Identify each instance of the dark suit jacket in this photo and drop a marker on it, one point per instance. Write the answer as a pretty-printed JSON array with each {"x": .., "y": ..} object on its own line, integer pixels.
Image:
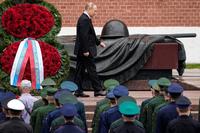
[{"x": 86, "y": 39}]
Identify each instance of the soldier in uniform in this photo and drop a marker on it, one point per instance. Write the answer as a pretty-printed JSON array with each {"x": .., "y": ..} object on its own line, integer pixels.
[
  {"x": 46, "y": 123},
  {"x": 184, "y": 123},
  {"x": 168, "y": 112},
  {"x": 163, "y": 84},
  {"x": 40, "y": 113},
  {"x": 104, "y": 108},
  {"x": 112, "y": 114},
  {"x": 129, "y": 111},
  {"x": 69, "y": 111},
  {"x": 104, "y": 104},
  {"x": 109, "y": 85},
  {"x": 143, "y": 110},
  {"x": 155, "y": 113},
  {"x": 63, "y": 98},
  {"x": 72, "y": 87},
  {"x": 120, "y": 121},
  {"x": 46, "y": 83},
  {"x": 15, "y": 124}
]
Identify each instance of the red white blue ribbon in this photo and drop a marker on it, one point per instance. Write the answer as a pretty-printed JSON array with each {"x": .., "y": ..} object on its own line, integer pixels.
[{"x": 28, "y": 50}]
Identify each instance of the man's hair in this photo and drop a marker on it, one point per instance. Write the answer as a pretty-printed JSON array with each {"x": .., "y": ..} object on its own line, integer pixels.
[
  {"x": 89, "y": 5},
  {"x": 183, "y": 110},
  {"x": 25, "y": 84},
  {"x": 175, "y": 96},
  {"x": 69, "y": 118},
  {"x": 15, "y": 112}
]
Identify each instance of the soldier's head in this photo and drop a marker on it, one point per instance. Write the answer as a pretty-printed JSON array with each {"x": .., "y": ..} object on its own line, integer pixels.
[
  {"x": 110, "y": 84},
  {"x": 69, "y": 86},
  {"x": 154, "y": 87},
  {"x": 48, "y": 82},
  {"x": 50, "y": 95},
  {"x": 183, "y": 105},
  {"x": 91, "y": 9},
  {"x": 15, "y": 107},
  {"x": 163, "y": 84},
  {"x": 68, "y": 110},
  {"x": 129, "y": 110},
  {"x": 111, "y": 97},
  {"x": 174, "y": 91},
  {"x": 120, "y": 91}
]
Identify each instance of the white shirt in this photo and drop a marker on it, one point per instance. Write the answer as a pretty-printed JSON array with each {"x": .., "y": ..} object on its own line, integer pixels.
[
  {"x": 86, "y": 13},
  {"x": 28, "y": 102}
]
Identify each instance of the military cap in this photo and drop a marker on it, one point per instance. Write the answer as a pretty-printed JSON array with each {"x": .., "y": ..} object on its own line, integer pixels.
[
  {"x": 110, "y": 95},
  {"x": 183, "y": 102},
  {"x": 48, "y": 82},
  {"x": 67, "y": 97},
  {"x": 16, "y": 104},
  {"x": 69, "y": 85},
  {"x": 164, "y": 82},
  {"x": 175, "y": 88},
  {"x": 25, "y": 84},
  {"x": 125, "y": 99},
  {"x": 110, "y": 84},
  {"x": 153, "y": 84},
  {"x": 120, "y": 90},
  {"x": 129, "y": 108},
  {"x": 59, "y": 93},
  {"x": 51, "y": 91},
  {"x": 68, "y": 110}
]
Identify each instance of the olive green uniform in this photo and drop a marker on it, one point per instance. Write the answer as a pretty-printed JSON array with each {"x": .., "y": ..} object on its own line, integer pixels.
[{"x": 38, "y": 115}]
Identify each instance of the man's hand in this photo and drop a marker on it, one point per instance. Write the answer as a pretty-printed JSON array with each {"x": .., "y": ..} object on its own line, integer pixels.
[
  {"x": 86, "y": 54},
  {"x": 102, "y": 44}
]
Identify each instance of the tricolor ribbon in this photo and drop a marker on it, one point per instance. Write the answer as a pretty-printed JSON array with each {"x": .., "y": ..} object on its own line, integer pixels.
[{"x": 28, "y": 50}]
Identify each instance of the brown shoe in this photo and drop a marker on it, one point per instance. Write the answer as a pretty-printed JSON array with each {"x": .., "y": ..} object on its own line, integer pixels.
[
  {"x": 81, "y": 95},
  {"x": 99, "y": 93}
]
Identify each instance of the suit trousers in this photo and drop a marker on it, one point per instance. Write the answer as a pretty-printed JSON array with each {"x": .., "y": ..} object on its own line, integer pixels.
[{"x": 86, "y": 63}]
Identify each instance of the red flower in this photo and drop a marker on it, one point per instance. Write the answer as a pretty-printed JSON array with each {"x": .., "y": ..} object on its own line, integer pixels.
[
  {"x": 50, "y": 55},
  {"x": 27, "y": 20}
]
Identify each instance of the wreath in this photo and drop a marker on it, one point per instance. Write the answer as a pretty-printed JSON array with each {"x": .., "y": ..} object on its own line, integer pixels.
[
  {"x": 38, "y": 19},
  {"x": 27, "y": 20},
  {"x": 6, "y": 38}
]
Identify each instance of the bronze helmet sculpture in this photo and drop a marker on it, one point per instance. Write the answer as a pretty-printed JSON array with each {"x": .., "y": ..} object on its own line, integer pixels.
[{"x": 114, "y": 29}]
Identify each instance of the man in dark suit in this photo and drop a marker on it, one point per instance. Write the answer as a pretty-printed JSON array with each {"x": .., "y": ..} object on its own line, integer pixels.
[{"x": 85, "y": 49}]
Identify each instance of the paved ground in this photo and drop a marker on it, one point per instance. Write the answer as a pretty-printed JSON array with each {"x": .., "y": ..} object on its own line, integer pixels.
[{"x": 190, "y": 76}]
